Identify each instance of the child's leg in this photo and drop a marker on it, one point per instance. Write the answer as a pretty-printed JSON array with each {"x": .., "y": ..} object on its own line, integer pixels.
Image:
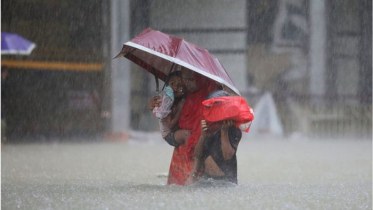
[{"x": 181, "y": 136}]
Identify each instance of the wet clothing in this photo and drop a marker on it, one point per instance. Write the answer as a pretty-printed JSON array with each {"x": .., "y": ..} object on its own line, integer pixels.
[
  {"x": 190, "y": 119},
  {"x": 192, "y": 112},
  {"x": 164, "y": 128},
  {"x": 162, "y": 112},
  {"x": 167, "y": 98},
  {"x": 170, "y": 138},
  {"x": 212, "y": 147}
]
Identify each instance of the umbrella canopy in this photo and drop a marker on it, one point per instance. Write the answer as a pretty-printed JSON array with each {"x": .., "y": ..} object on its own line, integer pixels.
[
  {"x": 15, "y": 44},
  {"x": 156, "y": 52}
]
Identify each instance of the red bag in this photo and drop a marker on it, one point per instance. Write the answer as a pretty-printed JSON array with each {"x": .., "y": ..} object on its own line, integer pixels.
[{"x": 228, "y": 108}]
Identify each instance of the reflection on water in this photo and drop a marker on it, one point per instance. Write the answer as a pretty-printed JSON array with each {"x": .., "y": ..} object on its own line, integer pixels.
[{"x": 272, "y": 174}]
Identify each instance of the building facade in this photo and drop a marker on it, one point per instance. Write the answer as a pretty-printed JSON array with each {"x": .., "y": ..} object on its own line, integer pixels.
[{"x": 315, "y": 57}]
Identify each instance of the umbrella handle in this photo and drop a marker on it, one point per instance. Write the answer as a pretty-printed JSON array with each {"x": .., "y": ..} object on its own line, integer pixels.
[
  {"x": 157, "y": 84},
  {"x": 168, "y": 76}
]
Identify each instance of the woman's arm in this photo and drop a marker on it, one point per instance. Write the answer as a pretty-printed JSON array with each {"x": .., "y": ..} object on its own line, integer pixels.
[{"x": 226, "y": 147}]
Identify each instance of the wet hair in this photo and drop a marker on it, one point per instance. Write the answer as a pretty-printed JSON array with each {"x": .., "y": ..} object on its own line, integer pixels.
[
  {"x": 172, "y": 74},
  {"x": 218, "y": 93}
]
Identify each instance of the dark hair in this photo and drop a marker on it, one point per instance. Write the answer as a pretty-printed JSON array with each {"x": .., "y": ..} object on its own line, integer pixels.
[
  {"x": 175, "y": 73},
  {"x": 218, "y": 93}
]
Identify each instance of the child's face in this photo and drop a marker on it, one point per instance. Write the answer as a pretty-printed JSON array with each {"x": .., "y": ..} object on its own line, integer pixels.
[{"x": 176, "y": 85}]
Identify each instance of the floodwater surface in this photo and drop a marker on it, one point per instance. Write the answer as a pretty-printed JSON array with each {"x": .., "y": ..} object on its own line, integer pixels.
[{"x": 272, "y": 174}]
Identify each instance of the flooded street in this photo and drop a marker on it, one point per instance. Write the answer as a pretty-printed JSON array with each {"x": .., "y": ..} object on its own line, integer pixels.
[
  {"x": 107, "y": 69},
  {"x": 272, "y": 174}
]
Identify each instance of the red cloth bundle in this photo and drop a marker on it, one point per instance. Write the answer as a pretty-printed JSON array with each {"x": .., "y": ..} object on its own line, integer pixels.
[{"x": 228, "y": 108}]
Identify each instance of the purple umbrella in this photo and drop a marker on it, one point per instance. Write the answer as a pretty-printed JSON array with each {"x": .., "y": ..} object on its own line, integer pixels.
[{"x": 14, "y": 44}]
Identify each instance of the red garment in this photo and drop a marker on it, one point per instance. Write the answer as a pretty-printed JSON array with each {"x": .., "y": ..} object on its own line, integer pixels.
[
  {"x": 190, "y": 119},
  {"x": 180, "y": 167}
]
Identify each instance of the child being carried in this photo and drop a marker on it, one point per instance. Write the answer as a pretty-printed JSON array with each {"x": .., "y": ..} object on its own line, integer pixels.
[{"x": 168, "y": 113}]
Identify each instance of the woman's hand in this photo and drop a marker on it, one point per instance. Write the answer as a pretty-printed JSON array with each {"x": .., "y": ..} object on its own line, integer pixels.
[
  {"x": 155, "y": 101},
  {"x": 191, "y": 179},
  {"x": 204, "y": 127},
  {"x": 226, "y": 147},
  {"x": 227, "y": 124}
]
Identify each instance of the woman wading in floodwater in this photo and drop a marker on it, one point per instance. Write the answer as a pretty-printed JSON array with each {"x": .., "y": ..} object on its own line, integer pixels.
[
  {"x": 215, "y": 153},
  {"x": 198, "y": 87}
]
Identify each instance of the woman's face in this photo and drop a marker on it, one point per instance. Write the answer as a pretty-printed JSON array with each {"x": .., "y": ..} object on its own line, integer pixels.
[
  {"x": 176, "y": 85},
  {"x": 189, "y": 81}
]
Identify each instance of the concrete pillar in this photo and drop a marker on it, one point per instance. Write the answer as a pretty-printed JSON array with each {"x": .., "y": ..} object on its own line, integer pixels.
[
  {"x": 317, "y": 52},
  {"x": 118, "y": 83}
]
